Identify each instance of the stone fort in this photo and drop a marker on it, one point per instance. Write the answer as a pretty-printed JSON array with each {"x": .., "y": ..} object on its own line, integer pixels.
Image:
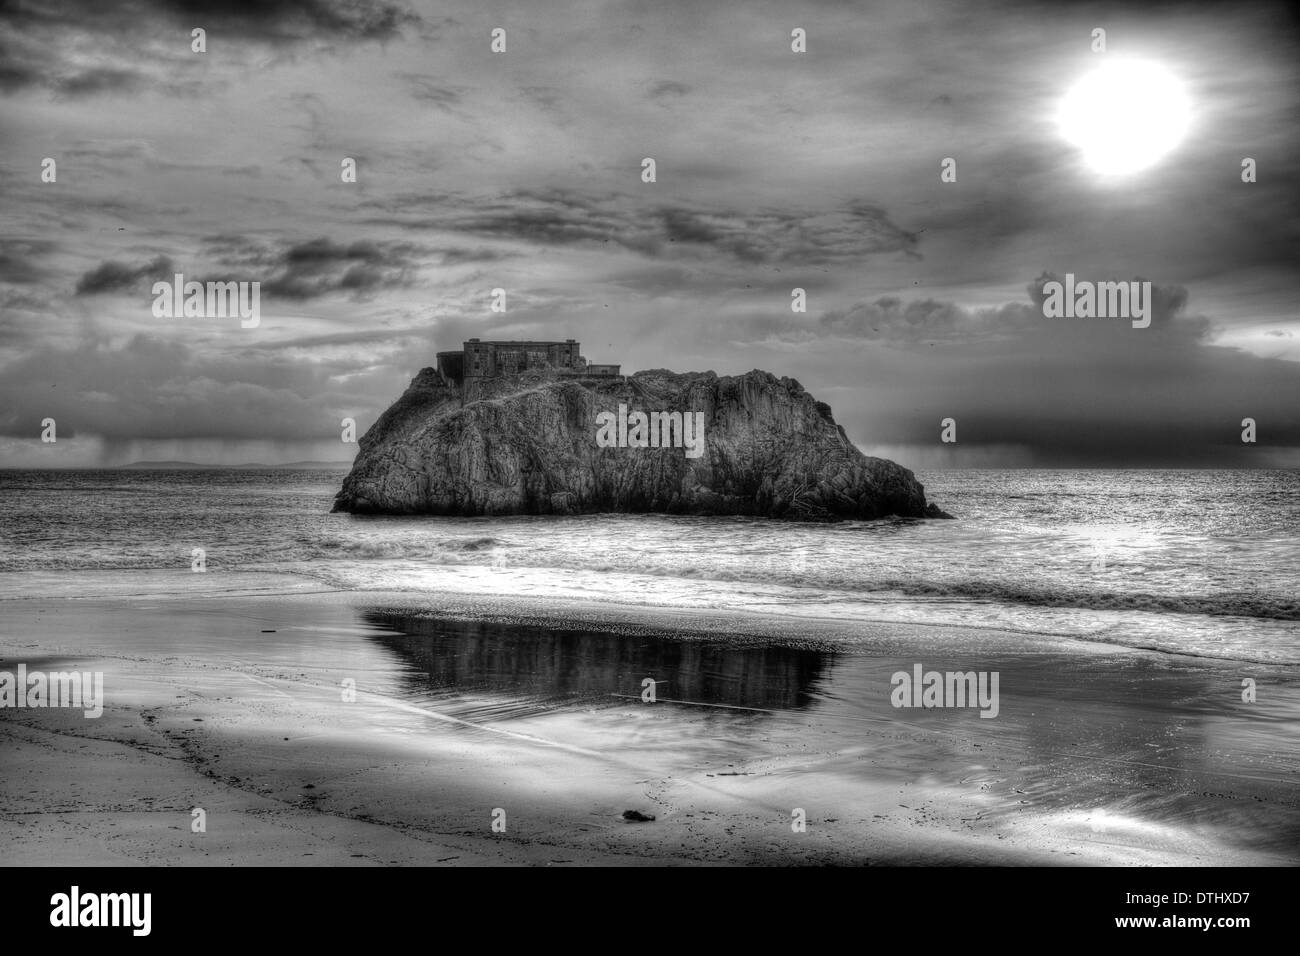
[{"x": 479, "y": 362}]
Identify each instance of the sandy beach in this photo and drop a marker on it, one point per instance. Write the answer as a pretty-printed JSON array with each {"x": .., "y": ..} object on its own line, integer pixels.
[{"x": 226, "y": 693}]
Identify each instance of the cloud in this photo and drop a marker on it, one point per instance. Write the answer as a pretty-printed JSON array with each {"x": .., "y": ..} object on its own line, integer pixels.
[
  {"x": 311, "y": 269},
  {"x": 271, "y": 21},
  {"x": 909, "y": 323},
  {"x": 23, "y": 317},
  {"x": 458, "y": 256},
  {"x": 298, "y": 271},
  {"x": 1068, "y": 392},
  {"x": 100, "y": 80},
  {"x": 22, "y": 261},
  {"x": 152, "y": 388},
  {"x": 428, "y": 89},
  {"x": 116, "y": 276},
  {"x": 295, "y": 21},
  {"x": 144, "y": 44},
  {"x": 363, "y": 337},
  {"x": 546, "y": 98},
  {"x": 562, "y": 217},
  {"x": 668, "y": 89}
]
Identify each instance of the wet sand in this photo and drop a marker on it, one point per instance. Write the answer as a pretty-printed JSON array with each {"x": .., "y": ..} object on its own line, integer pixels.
[{"x": 226, "y": 693}]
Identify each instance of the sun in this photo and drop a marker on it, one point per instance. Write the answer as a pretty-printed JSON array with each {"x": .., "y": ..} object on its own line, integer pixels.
[{"x": 1125, "y": 116}]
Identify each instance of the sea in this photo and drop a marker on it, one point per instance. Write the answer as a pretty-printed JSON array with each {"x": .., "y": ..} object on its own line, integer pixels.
[{"x": 1196, "y": 562}]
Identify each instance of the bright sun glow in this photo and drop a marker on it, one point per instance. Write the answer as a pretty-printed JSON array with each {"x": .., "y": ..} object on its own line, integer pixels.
[{"x": 1125, "y": 116}]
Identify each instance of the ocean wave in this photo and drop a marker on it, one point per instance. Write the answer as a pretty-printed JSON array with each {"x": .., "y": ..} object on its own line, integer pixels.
[
  {"x": 398, "y": 549},
  {"x": 363, "y": 560},
  {"x": 1269, "y": 607},
  {"x": 1252, "y": 604},
  {"x": 1044, "y": 594}
]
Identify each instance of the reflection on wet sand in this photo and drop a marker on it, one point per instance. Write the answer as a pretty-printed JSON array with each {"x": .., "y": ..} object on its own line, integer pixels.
[
  {"x": 1111, "y": 748},
  {"x": 550, "y": 664}
]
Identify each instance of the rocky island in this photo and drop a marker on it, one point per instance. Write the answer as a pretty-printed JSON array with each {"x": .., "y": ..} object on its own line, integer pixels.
[{"x": 533, "y": 428}]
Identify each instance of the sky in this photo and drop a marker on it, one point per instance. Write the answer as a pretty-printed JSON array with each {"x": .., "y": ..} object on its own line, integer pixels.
[{"x": 522, "y": 170}]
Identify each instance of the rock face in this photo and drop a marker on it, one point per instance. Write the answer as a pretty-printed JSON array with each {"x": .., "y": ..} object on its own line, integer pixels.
[{"x": 769, "y": 449}]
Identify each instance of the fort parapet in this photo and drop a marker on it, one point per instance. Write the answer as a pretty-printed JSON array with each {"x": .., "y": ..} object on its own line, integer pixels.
[{"x": 479, "y": 363}]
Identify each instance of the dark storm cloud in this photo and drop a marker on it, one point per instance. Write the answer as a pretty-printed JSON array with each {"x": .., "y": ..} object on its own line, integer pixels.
[
  {"x": 312, "y": 269},
  {"x": 317, "y": 267},
  {"x": 116, "y": 276},
  {"x": 299, "y": 271},
  {"x": 1076, "y": 391},
  {"x": 542, "y": 217},
  {"x": 42, "y": 44}
]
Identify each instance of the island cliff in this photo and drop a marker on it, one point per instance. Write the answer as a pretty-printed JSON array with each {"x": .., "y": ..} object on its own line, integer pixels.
[{"x": 529, "y": 445}]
